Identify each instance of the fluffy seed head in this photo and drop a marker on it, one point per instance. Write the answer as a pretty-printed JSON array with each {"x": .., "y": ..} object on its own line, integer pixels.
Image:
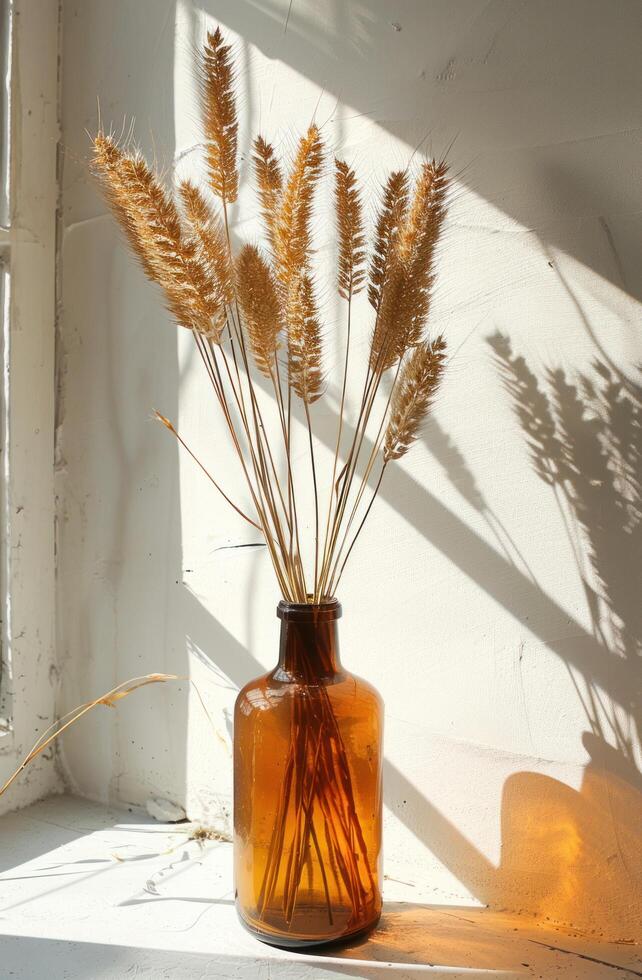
[
  {"x": 405, "y": 298},
  {"x": 208, "y": 234},
  {"x": 304, "y": 341},
  {"x": 392, "y": 213},
  {"x": 270, "y": 185},
  {"x": 412, "y": 397},
  {"x": 292, "y": 227},
  {"x": 152, "y": 225},
  {"x": 350, "y": 231},
  {"x": 259, "y": 302},
  {"x": 219, "y": 116}
]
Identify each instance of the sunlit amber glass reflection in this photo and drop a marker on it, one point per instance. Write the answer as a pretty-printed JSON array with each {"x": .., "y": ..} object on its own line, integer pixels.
[{"x": 307, "y": 790}]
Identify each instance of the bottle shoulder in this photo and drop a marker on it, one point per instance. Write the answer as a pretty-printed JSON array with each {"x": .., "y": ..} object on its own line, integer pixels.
[
  {"x": 269, "y": 690},
  {"x": 367, "y": 690},
  {"x": 253, "y": 695}
]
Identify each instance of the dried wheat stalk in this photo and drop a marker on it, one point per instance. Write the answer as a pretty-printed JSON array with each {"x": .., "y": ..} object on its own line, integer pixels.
[
  {"x": 210, "y": 240},
  {"x": 108, "y": 700},
  {"x": 352, "y": 241},
  {"x": 152, "y": 224},
  {"x": 219, "y": 117},
  {"x": 269, "y": 180},
  {"x": 405, "y": 301},
  {"x": 249, "y": 312},
  {"x": 389, "y": 222},
  {"x": 413, "y": 394},
  {"x": 259, "y": 301}
]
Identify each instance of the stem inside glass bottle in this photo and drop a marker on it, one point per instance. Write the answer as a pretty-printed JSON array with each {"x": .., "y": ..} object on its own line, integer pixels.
[{"x": 316, "y": 808}]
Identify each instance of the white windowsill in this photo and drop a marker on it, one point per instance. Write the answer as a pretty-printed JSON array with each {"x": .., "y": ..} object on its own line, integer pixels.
[{"x": 89, "y": 891}]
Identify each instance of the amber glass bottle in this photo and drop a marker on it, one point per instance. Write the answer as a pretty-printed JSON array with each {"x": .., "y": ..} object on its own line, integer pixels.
[{"x": 307, "y": 790}]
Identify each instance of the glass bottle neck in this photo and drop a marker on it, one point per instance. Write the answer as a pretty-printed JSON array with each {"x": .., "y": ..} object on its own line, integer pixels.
[{"x": 309, "y": 646}]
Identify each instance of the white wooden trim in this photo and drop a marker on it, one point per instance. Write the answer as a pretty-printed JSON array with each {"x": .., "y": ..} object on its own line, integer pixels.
[{"x": 28, "y": 645}]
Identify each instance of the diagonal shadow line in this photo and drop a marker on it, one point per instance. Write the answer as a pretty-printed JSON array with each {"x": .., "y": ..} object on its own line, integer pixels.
[
  {"x": 506, "y": 584},
  {"x": 261, "y": 24},
  {"x": 510, "y": 587},
  {"x": 437, "y": 833},
  {"x": 333, "y": 60},
  {"x": 486, "y": 881},
  {"x": 441, "y": 837}
]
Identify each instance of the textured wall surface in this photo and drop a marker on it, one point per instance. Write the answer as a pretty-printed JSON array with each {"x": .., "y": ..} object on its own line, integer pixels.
[
  {"x": 28, "y": 676},
  {"x": 494, "y": 598}
]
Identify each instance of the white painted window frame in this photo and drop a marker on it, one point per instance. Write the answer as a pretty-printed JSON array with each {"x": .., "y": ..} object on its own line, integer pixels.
[{"x": 28, "y": 254}]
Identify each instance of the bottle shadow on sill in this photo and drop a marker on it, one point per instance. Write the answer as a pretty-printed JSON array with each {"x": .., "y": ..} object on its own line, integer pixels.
[{"x": 480, "y": 942}]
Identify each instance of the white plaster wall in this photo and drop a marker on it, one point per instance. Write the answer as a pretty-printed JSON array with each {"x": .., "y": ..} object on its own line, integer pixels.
[
  {"x": 512, "y": 754},
  {"x": 28, "y": 253}
]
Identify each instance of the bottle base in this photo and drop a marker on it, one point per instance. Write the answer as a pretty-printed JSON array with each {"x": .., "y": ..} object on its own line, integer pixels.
[{"x": 281, "y": 941}]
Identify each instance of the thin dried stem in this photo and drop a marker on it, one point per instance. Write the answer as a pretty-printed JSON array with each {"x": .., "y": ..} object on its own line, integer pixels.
[
  {"x": 374, "y": 455},
  {"x": 350, "y": 279},
  {"x": 238, "y": 310},
  {"x": 316, "y": 498},
  {"x": 410, "y": 398},
  {"x": 109, "y": 700},
  {"x": 168, "y": 425},
  {"x": 337, "y": 578},
  {"x": 256, "y": 490},
  {"x": 262, "y": 443}
]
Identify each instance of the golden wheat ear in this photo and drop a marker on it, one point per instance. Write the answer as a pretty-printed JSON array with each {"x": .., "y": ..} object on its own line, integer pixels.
[
  {"x": 420, "y": 232},
  {"x": 152, "y": 225},
  {"x": 352, "y": 254},
  {"x": 392, "y": 213},
  {"x": 269, "y": 180},
  {"x": 219, "y": 116},
  {"x": 260, "y": 305},
  {"x": 304, "y": 342},
  {"x": 292, "y": 228},
  {"x": 292, "y": 248},
  {"x": 108, "y": 166},
  {"x": 413, "y": 396},
  {"x": 210, "y": 236},
  {"x": 406, "y": 294}
]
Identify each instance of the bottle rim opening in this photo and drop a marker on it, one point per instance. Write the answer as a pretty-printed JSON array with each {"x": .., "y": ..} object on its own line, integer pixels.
[{"x": 309, "y": 612}]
